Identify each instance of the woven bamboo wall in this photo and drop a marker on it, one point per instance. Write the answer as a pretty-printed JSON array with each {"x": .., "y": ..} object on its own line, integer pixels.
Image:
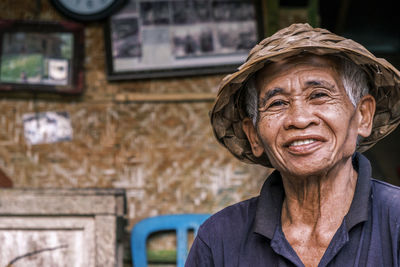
[{"x": 163, "y": 153}]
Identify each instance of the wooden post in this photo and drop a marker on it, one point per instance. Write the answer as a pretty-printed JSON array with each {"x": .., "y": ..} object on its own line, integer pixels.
[
  {"x": 313, "y": 17},
  {"x": 271, "y": 16}
]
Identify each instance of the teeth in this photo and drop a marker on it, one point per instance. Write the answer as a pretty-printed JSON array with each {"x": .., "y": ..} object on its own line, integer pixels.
[{"x": 302, "y": 142}]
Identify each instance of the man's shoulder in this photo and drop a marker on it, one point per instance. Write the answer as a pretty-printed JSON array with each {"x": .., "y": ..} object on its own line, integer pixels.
[
  {"x": 387, "y": 197},
  {"x": 235, "y": 211},
  {"x": 232, "y": 219},
  {"x": 386, "y": 192},
  {"x": 221, "y": 236}
]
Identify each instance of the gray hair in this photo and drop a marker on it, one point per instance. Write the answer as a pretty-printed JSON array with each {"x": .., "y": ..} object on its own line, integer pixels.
[{"x": 354, "y": 80}]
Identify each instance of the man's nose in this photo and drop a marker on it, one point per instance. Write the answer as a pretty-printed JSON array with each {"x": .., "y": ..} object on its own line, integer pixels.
[{"x": 300, "y": 116}]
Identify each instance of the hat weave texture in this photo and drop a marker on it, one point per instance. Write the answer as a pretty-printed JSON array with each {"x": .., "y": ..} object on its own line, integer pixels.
[{"x": 228, "y": 111}]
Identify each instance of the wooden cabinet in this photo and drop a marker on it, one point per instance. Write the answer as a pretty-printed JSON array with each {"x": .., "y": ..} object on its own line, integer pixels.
[{"x": 58, "y": 227}]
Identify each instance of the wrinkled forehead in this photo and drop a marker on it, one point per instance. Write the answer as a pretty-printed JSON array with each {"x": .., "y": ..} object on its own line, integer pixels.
[{"x": 328, "y": 63}]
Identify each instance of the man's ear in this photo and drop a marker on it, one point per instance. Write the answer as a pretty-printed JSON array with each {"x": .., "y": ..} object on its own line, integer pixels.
[
  {"x": 252, "y": 136},
  {"x": 366, "y": 109}
]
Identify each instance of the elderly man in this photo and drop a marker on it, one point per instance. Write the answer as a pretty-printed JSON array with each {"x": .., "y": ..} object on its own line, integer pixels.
[{"x": 303, "y": 103}]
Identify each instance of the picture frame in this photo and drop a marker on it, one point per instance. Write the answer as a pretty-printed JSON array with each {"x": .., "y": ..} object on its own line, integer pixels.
[
  {"x": 173, "y": 38},
  {"x": 41, "y": 56}
]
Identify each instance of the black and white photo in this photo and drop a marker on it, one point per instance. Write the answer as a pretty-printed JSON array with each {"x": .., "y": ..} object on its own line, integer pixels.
[
  {"x": 155, "y": 12},
  {"x": 158, "y": 38},
  {"x": 125, "y": 37}
]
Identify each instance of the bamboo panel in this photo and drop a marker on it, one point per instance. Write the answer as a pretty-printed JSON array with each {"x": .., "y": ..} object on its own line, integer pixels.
[{"x": 163, "y": 153}]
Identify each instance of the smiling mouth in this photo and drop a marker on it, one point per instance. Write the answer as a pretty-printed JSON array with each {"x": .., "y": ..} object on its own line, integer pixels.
[{"x": 302, "y": 142}]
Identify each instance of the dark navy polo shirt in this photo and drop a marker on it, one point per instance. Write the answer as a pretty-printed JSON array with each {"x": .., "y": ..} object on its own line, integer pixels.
[{"x": 250, "y": 234}]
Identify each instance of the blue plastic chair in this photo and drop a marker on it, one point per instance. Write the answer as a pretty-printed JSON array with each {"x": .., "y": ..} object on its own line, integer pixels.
[{"x": 182, "y": 223}]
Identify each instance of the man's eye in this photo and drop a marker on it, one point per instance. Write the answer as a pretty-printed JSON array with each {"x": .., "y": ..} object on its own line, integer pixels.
[
  {"x": 277, "y": 103},
  {"x": 318, "y": 95}
]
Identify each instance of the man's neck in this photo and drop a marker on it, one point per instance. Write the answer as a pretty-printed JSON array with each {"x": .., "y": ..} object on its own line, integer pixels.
[
  {"x": 314, "y": 208},
  {"x": 310, "y": 199}
]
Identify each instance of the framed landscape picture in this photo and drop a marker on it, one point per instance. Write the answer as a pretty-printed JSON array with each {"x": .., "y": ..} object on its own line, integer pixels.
[
  {"x": 169, "y": 38},
  {"x": 41, "y": 57}
]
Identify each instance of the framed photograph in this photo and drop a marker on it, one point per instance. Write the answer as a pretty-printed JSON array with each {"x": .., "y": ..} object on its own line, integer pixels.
[
  {"x": 41, "y": 57},
  {"x": 170, "y": 38}
]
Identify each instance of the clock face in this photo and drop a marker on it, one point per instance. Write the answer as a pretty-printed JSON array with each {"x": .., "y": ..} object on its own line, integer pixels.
[
  {"x": 87, "y": 10},
  {"x": 86, "y": 6}
]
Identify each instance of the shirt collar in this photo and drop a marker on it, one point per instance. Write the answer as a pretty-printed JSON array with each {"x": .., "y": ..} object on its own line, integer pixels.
[
  {"x": 269, "y": 207},
  {"x": 358, "y": 211}
]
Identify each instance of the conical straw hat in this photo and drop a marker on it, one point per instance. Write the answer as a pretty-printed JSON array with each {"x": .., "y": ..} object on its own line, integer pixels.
[{"x": 228, "y": 111}]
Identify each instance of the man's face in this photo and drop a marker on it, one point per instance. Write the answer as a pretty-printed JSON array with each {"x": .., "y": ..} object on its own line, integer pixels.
[{"x": 306, "y": 122}]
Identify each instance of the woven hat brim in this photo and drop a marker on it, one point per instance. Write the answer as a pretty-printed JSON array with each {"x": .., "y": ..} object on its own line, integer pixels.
[{"x": 227, "y": 113}]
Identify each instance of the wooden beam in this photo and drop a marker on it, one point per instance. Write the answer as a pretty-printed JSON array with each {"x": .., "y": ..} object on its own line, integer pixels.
[{"x": 167, "y": 97}]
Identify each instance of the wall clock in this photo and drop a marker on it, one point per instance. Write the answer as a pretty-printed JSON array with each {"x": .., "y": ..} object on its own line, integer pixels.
[{"x": 87, "y": 10}]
